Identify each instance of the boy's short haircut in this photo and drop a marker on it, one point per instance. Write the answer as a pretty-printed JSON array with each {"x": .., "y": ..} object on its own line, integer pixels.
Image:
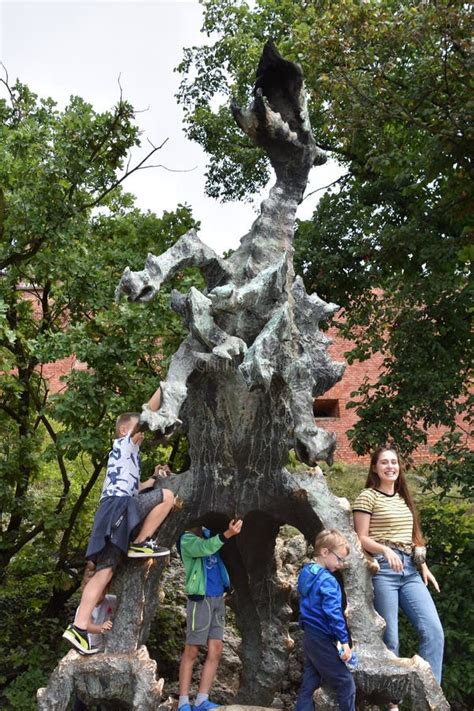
[
  {"x": 124, "y": 419},
  {"x": 330, "y": 538}
]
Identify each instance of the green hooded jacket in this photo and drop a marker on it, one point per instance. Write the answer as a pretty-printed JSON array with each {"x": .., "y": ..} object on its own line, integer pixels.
[{"x": 193, "y": 549}]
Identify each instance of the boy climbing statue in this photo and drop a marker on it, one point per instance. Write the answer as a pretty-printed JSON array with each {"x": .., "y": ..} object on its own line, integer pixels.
[{"x": 128, "y": 515}]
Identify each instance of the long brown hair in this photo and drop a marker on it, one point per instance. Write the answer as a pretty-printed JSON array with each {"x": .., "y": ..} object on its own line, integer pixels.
[{"x": 401, "y": 488}]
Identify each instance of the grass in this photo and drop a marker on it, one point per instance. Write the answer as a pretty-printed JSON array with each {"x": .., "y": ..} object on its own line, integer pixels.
[{"x": 348, "y": 480}]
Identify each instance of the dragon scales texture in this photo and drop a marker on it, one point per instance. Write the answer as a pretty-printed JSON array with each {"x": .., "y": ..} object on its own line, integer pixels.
[{"x": 254, "y": 332}]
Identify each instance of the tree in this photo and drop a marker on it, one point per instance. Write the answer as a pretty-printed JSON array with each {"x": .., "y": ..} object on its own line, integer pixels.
[
  {"x": 390, "y": 96},
  {"x": 67, "y": 228}
]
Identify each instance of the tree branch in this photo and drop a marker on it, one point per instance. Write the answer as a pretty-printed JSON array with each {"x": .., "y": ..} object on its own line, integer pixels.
[
  {"x": 344, "y": 178},
  {"x": 61, "y": 464},
  {"x": 10, "y": 412},
  {"x": 18, "y": 257},
  {"x": 85, "y": 490},
  {"x": 6, "y": 84},
  {"x": 118, "y": 114},
  {"x": 118, "y": 182},
  {"x": 7, "y": 553}
]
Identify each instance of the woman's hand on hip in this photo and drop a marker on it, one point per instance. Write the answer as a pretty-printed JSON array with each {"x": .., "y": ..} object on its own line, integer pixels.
[
  {"x": 393, "y": 560},
  {"x": 428, "y": 577}
]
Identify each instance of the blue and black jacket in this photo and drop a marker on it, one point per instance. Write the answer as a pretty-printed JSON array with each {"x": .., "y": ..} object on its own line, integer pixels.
[{"x": 321, "y": 603}]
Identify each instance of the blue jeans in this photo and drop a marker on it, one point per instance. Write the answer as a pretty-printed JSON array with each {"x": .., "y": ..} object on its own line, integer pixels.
[
  {"x": 407, "y": 590},
  {"x": 323, "y": 664}
]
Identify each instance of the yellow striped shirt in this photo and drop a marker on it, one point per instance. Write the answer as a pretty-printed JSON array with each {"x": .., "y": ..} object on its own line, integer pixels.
[{"x": 390, "y": 518}]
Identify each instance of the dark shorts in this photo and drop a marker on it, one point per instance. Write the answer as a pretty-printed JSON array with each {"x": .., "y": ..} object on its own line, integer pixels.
[
  {"x": 109, "y": 556},
  {"x": 205, "y": 620}
]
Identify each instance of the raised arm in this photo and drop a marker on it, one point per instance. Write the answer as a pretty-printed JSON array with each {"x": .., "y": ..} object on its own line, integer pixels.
[
  {"x": 154, "y": 403},
  {"x": 198, "y": 547}
]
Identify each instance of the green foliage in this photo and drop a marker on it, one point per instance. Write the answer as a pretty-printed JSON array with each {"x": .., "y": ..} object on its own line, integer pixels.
[
  {"x": 390, "y": 96},
  {"x": 21, "y": 693},
  {"x": 67, "y": 232},
  {"x": 449, "y": 527},
  {"x": 345, "y": 480},
  {"x": 454, "y": 460},
  {"x": 30, "y": 642}
]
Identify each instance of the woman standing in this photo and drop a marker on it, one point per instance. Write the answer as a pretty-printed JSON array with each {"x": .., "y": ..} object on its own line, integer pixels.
[{"x": 386, "y": 521}]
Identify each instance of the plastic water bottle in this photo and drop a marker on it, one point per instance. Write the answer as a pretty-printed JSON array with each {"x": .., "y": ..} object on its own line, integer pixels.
[{"x": 350, "y": 663}]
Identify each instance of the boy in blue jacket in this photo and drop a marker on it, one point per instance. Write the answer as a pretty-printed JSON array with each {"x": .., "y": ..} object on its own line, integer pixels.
[
  {"x": 206, "y": 582},
  {"x": 324, "y": 624}
]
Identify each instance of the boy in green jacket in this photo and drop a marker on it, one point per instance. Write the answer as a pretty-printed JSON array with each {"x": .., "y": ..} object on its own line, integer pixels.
[{"x": 206, "y": 582}]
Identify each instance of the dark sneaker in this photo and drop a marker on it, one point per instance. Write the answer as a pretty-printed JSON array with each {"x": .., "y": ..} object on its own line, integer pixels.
[
  {"x": 79, "y": 640},
  {"x": 206, "y": 706},
  {"x": 185, "y": 707},
  {"x": 146, "y": 549}
]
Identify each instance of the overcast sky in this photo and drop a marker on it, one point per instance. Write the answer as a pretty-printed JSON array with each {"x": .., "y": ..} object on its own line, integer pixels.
[{"x": 69, "y": 47}]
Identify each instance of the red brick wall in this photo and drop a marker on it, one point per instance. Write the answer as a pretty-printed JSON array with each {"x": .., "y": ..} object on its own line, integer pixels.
[
  {"x": 352, "y": 378},
  {"x": 52, "y": 372}
]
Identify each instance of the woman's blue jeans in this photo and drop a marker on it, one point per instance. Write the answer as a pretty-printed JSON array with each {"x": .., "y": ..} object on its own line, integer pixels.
[{"x": 407, "y": 590}]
